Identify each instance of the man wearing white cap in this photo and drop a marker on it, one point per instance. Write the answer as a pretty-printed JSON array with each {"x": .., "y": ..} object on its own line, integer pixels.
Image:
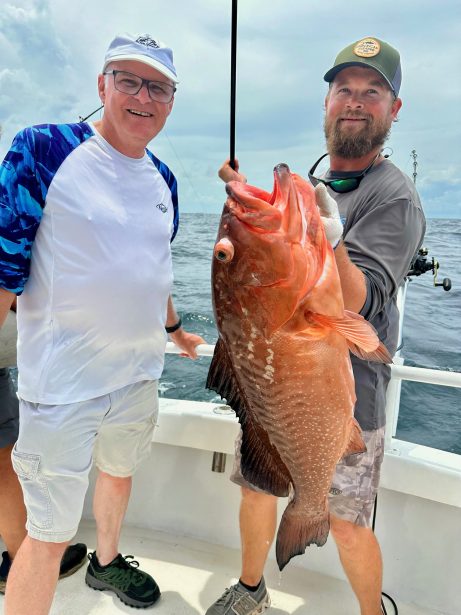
[{"x": 87, "y": 217}]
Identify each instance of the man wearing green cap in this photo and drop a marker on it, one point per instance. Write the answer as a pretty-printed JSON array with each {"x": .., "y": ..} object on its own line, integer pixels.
[{"x": 375, "y": 224}]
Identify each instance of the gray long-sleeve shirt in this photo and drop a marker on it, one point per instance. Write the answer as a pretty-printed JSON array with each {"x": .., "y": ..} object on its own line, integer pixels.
[{"x": 384, "y": 227}]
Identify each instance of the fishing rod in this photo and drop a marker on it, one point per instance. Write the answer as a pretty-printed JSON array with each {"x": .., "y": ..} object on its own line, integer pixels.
[
  {"x": 83, "y": 119},
  {"x": 420, "y": 264},
  {"x": 233, "y": 83}
]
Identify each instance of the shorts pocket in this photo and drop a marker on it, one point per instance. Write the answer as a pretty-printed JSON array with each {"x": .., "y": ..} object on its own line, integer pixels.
[
  {"x": 36, "y": 495},
  {"x": 345, "y": 481}
]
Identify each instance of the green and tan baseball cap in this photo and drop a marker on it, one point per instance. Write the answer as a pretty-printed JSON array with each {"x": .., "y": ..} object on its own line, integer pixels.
[{"x": 372, "y": 53}]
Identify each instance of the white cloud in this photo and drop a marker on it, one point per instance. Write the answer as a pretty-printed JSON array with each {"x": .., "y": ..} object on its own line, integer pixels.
[{"x": 52, "y": 50}]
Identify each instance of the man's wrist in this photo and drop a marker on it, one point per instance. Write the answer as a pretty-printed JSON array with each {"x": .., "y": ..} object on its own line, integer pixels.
[
  {"x": 175, "y": 327},
  {"x": 338, "y": 243}
]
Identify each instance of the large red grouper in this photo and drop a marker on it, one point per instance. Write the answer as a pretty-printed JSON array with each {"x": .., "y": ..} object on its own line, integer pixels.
[{"x": 282, "y": 357}]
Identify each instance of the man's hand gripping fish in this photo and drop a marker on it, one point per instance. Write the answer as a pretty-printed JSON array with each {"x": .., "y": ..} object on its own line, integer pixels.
[{"x": 282, "y": 358}]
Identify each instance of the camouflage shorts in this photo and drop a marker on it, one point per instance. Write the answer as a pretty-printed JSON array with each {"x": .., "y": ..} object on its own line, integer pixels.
[{"x": 355, "y": 483}]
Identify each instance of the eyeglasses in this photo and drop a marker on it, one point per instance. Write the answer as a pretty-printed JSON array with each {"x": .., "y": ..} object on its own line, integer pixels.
[
  {"x": 131, "y": 84},
  {"x": 344, "y": 184}
]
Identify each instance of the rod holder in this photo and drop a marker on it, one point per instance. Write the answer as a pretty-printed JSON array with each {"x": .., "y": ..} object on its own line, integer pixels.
[{"x": 219, "y": 462}]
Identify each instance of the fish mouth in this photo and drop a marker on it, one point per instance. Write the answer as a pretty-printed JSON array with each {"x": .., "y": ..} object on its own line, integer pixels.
[
  {"x": 283, "y": 181},
  {"x": 262, "y": 211},
  {"x": 252, "y": 207},
  {"x": 282, "y": 175},
  {"x": 281, "y": 168}
]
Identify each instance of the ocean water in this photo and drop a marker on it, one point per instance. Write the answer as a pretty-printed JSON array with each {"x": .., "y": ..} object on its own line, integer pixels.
[{"x": 429, "y": 415}]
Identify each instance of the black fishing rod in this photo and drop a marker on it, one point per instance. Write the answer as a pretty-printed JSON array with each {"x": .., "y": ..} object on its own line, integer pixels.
[
  {"x": 83, "y": 119},
  {"x": 419, "y": 264},
  {"x": 233, "y": 83}
]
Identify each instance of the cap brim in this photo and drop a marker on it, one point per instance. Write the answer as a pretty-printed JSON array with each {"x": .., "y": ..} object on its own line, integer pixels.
[
  {"x": 331, "y": 74},
  {"x": 145, "y": 60}
]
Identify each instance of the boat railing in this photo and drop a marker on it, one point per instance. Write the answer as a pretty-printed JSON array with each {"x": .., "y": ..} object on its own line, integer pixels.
[
  {"x": 400, "y": 372},
  {"x": 409, "y": 467}
]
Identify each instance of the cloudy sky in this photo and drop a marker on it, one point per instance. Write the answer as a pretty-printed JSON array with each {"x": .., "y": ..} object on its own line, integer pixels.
[{"x": 51, "y": 52}]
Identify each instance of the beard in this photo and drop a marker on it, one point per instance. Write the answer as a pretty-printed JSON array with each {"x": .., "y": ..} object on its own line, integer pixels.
[{"x": 373, "y": 134}]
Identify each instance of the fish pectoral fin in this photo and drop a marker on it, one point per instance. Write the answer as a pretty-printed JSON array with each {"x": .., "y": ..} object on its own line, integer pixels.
[
  {"x": 360, "y": 335},
  {"x": 261, "y": 464},
  {"x": 380, "y": 355},
  {"x": 356, "y": 444}
]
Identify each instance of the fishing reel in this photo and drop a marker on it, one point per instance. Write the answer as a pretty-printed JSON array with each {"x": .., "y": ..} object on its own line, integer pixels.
[{"x": 421, "y": 265}]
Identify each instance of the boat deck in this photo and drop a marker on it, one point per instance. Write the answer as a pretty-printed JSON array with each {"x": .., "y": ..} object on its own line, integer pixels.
[{"x": 192, "y": 574}]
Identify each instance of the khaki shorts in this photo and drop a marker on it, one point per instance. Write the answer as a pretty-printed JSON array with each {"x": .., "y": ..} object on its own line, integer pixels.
[
  {"x": 57, "y": 445},
  {"x": 355, "y": 483}
]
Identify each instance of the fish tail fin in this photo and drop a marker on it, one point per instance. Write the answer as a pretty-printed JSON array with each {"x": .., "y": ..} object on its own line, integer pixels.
[{"x": 297, "y": 531}]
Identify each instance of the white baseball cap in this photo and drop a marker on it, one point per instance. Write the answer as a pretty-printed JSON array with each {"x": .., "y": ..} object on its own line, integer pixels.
[{"x": 142, "y": 48}]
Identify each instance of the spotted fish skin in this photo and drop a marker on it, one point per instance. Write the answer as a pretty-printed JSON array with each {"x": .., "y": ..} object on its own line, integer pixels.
[{"x": 282, "y": 357}]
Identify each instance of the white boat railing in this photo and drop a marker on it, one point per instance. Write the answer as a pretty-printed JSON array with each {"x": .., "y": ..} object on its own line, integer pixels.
[
  {"x": 400, "y": 372},
  {"x": 409, "y": 468}
]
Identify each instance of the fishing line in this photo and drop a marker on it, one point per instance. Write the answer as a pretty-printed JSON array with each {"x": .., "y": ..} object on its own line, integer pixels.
[
  {"x": 233, "y": 83},
  {"x": 391, "y": 600},
  {"x": 186, "y": 175}
]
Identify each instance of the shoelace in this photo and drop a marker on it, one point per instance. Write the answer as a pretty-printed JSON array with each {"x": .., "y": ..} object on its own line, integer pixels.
[
  {"x": 123, "y": 573},
  {"x": 134, "y": 563},
  {"x": 229, "y": 590}
]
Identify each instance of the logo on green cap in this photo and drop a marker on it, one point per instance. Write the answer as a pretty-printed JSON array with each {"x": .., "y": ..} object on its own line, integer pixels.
[{"x": 367, "y": 48}]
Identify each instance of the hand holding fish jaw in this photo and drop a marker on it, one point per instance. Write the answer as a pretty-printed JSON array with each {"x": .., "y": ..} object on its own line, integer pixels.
[
  {"x": 252, "y": 211},
  {"x": 329, "y": 214},
  {"x": 280, "y": 210},
  {"x": 228, "y": 174}
]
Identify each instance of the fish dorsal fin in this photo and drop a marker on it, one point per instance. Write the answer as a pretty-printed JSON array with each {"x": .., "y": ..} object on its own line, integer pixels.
[
  {"x": 261, "y": 464},
  {"x": 356, "y": 444},
  {"x": 360, "y": 335}
]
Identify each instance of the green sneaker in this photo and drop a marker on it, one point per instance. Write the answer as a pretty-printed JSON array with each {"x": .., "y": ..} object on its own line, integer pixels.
[
  {"x": 132, "y": 586},
  {"x": 238, "y": 600}
]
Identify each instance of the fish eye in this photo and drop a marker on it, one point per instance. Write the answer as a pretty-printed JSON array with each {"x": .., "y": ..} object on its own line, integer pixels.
[{"x": 224, "y": 250}]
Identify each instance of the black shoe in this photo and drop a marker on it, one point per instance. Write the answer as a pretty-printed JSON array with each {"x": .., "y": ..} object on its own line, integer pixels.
[
  {"x": 4, "y": 570},
  {"x": 74, "y": 557},
  {"x": 132, "y": 586}
]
